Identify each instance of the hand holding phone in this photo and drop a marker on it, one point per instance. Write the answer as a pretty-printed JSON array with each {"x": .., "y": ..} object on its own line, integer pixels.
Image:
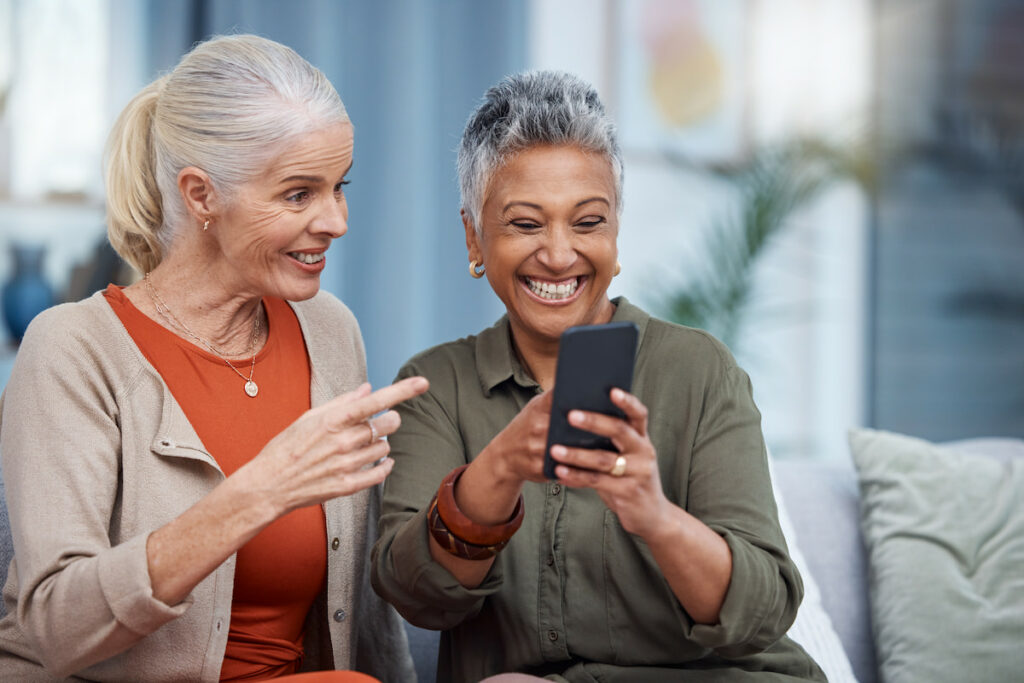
[{"x": 592, "y": 360}]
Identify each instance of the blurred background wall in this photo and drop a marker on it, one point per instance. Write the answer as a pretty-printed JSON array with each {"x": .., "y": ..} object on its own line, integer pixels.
[{"x": 834, "y": 187}]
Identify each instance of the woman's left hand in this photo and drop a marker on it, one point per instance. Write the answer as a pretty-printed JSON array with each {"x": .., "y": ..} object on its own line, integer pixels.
[{"x": 635, "y": 495}]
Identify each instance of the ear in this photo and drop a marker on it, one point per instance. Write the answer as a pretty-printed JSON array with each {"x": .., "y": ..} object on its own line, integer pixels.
[
  {"x": 472, "y": 239},
  {"x": 196, "y": 190}
]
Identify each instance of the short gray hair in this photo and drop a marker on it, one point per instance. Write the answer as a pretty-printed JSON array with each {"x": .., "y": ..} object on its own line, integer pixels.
[
  {"x": 227, "y": 108},
  {"x": 527, "y": 109}
]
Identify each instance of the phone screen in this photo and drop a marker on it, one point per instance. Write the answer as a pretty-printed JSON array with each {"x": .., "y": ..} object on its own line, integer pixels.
[{"x": 592, "y": 360}]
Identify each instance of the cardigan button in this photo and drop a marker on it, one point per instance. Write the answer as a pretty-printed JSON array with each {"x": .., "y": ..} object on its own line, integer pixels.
[
  {"x": 335, "y": 543},
  {"x": 340, "y": 615},
  {"x": 556, "y": 489},
  {"x": 552, "y": 635}
]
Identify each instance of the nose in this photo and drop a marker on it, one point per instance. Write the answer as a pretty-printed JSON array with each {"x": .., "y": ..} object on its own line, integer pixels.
[
  {"x": 332, "y": 218},
  {"x": 558, "y": 252}
]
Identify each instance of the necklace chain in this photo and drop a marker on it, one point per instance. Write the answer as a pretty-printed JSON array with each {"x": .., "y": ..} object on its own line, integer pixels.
[{"x": 251, "y": 388}]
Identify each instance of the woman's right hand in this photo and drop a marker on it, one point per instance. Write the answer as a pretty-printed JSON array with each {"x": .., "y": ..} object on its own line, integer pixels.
[
  {"x": 516, "y": 454},
  {"x": 324, "y": 454},
  {"x": 331, "y": 450},
  {"x": 488, "y": 489}
]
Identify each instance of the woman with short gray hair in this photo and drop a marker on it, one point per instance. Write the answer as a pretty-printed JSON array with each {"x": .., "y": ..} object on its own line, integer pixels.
[
  {"x": 191, "y": 462},
  {"x": 659, "y": 560}
]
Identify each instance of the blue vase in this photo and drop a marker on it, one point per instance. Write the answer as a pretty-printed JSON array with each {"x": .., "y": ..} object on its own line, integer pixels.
[{"x": 26, "y": 291}]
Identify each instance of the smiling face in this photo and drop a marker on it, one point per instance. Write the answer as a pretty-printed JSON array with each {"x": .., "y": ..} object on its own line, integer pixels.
[
  {"x": 548, "y": 240},
  {"x": 272, "y": 237}
]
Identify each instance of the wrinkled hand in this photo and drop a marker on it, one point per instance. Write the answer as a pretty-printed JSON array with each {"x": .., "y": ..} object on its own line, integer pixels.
[
  {"x": 516, "y": 454},
  {"x": 331, "y": 450},
  {"x": 636, "y": 496}
]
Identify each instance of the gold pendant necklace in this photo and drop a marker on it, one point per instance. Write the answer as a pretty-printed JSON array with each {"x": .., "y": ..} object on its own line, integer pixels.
[{"x": 251, "y": 388}]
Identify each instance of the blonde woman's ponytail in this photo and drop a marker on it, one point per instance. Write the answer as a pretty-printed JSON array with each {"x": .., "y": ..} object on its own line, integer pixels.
[{"x": 134, "y": 206}]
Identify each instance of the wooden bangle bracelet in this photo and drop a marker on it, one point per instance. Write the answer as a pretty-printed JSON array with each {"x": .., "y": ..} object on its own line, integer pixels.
[
  {"x": 465, "y": 528},
  {"x": 454, "y": 545}
]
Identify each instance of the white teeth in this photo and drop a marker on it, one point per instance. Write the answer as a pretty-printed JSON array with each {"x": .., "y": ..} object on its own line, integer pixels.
[
  {"x": 308, "y": 259},
  {"x": 548, "y": 290}
]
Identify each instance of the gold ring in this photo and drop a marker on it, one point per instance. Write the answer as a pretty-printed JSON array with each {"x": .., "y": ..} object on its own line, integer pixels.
[{"x": 620, "y": 467}]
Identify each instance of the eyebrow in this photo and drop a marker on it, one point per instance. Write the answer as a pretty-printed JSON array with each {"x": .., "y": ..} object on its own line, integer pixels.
[
  {"x": 302, "y": 178},
  {"x": 310, "y": 178},
  {"x": 541, "y": 208}
]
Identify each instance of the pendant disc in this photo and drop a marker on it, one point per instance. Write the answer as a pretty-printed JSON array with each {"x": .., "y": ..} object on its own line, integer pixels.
[{"x": 251, "y": 389}]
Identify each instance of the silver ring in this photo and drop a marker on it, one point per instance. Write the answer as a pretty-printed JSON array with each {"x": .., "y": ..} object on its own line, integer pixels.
[
  {"x": 620, "y": 467},
  {"x": 373, "y": 432}
]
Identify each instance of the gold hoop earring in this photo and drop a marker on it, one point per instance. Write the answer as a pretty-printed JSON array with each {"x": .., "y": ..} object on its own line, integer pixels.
[
  {"x": 618, "y": 269},
  {"x": 206, "y": 225},
  {"x": 477, "y": 274}
]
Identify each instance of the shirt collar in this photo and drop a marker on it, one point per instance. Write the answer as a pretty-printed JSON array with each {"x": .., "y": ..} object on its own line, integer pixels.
[{"x": 496, "y": 360}]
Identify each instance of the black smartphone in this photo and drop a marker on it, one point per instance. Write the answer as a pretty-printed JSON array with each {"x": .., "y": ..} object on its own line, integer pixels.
[{"x": 592, "y": 360}]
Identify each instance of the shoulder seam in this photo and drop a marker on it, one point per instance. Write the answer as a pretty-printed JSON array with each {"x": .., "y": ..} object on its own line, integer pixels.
[{"x": 725, "y": 357}]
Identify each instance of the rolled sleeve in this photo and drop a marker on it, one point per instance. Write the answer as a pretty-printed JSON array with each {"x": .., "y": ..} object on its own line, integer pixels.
[
  {"x": 755, "y": 611},
  {"x": 423, "y": 591},
  {"x": 731, "y": 493},
  {"x": 123, "y": 574}
]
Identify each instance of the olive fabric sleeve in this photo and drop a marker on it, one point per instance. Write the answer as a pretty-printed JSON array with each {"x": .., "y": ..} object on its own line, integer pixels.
[
  {"x": 730, "y": 491},
  {"x": 426, "y": 449}
]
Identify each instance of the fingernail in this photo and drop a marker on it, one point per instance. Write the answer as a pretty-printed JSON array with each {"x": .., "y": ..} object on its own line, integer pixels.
[
  {"x": 618, "y": 394},
  {"x": 575, "y": 416},
  {"x": 559, "y": 451}
]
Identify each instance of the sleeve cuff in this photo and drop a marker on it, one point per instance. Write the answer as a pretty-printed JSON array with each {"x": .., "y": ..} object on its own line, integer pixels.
[
  {"x": 753, "y": 614},
  {"x": 124, "y": 580},
  {"x": 425, "y": 592}
]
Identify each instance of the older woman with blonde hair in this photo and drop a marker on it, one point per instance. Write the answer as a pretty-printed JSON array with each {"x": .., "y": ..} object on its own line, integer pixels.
[
  {"x": 659, "y": 561},
  {"x": 192, "y": 462}
]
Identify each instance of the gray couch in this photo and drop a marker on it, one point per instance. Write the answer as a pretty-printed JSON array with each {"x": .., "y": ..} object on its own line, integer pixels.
[{"x": 823, "y": 504}]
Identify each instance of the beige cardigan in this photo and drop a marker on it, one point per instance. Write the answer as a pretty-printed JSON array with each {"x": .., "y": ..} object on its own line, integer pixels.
[{"x": 96, "y": 455}]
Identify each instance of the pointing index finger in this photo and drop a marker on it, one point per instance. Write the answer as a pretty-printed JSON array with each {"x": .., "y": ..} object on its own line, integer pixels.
[{"x": 351, "y": 411}]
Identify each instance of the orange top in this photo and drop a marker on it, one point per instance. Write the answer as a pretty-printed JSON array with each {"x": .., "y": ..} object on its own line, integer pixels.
[
  {"x": 271, "y": 597},
  {"x": 330, "y": 677}
]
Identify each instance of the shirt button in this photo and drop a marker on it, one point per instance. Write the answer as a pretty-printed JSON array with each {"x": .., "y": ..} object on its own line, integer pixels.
[
  {"x": 340, "y": 615},
  {"x": 556, "y": 489},
  {"x": 552, "y": 636},
  {"x": 551, "y": 560},
  {"x": 335, "y": 543}
]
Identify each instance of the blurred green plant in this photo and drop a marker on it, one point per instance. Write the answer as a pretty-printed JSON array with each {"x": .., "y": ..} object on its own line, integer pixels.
[{"x": 770, "y": 185}]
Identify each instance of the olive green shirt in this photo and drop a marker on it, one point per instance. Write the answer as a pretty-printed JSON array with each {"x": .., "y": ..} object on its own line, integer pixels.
[{"x": 573, "y": 595}]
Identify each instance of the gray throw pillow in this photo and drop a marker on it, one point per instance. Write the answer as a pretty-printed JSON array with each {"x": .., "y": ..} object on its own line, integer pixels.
[{"x": 945, "y": 535}]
